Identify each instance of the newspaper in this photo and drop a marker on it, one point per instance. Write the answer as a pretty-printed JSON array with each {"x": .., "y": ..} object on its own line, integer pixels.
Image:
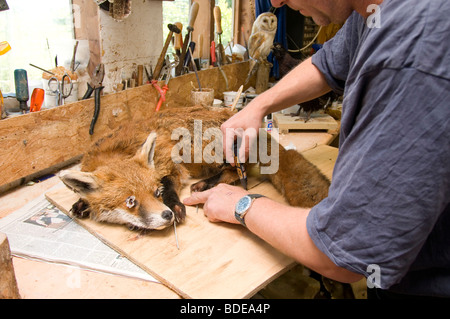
[{"x": 41, "y": 231}]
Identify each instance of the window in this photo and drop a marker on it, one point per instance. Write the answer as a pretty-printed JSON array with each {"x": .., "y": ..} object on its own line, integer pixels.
[{"x": 36, "y": 31}]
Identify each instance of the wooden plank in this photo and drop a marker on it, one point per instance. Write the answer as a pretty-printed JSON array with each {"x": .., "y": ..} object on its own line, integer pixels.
[
  {"x": 285, "y": 122},
  {"x": 8, "y": 283},
  {"x": 36, "y": 141},
  {"x": 215, "y": 260}
]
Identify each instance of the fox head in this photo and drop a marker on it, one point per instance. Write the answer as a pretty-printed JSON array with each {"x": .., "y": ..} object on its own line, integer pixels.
[{"x": 124, "y": 191}]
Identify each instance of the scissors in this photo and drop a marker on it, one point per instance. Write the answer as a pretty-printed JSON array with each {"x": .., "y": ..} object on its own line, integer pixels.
[{"x": 60, "y": 90}]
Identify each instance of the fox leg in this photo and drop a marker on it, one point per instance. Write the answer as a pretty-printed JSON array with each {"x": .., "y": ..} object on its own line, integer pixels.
[
  {"x": 80, "y": 209},
  {"x": 228, "y": 176},
  {"x": 171, "y": 199}
]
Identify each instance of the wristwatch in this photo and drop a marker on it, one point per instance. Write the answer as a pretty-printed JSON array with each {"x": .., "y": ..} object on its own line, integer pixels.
[{"x": 243, "y": 206}]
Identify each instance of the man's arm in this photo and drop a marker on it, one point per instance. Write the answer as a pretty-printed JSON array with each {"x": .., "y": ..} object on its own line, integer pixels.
[
  {"x": 282, "y": 226},
  {"x": 303, "y": 83}
]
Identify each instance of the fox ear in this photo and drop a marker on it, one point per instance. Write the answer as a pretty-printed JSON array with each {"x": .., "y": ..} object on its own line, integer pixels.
[
  {"x": 81, "y": 183},
  {"x": 147, "y": 151}
]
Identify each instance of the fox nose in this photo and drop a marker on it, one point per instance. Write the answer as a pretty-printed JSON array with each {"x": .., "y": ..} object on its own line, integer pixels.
[{"x": 167, "y": 214}]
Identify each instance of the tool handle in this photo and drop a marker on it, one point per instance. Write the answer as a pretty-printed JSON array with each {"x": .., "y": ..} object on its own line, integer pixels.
[
  {"x": 160, "y": 63},
  {"x": 218, "y": 19},
  {"x": 162, "y": 98},
  {"x": 213, "y": 53},
  {"x": 200, "y": 46},
  {"x": 178, "y": 37},
  {"x": 193, "y": 16},
  {"x": 96, "y": 109}
]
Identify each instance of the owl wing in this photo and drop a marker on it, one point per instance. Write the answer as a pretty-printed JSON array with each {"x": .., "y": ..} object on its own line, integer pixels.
[{"x": 256, "y": 41}]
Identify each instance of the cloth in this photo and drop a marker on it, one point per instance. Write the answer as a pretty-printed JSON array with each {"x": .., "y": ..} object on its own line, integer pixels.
[{"x": 389, "y": 202}]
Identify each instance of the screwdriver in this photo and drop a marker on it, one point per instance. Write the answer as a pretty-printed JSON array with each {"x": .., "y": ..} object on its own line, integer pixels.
[
  {"x": 22, "y": 95},
  {"x": 37, "y": 98}
]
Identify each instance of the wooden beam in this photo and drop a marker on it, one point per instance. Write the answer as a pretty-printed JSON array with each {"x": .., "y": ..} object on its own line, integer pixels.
[{"x": 37, "y": 141}]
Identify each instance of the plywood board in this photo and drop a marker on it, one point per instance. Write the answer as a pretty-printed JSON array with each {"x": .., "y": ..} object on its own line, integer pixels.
[
  {"x": 286, "y": 122},
  {"x": 215, "y": 260}
]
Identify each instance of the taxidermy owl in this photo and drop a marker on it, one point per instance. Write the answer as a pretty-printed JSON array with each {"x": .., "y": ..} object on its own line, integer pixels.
[{"x": 261, "y": 40}]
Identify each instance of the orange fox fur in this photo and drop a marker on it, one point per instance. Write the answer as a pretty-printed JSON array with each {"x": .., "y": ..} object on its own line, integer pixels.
[{"x": 129, "y": 177}]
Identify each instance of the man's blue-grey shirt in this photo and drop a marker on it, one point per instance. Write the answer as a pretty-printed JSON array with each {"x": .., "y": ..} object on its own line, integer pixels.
[{"x": 389, "y": 201}]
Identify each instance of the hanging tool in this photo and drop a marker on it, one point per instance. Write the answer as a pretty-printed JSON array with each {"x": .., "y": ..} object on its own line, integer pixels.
[
  {"x": 192, "y": 16},
  {"x": 21, "y": 82},
  {"x": 162, "y": 91},
  {"x": 37, "y": 99},
  {"x": 178, "y": 43},
  {"x": 219, "y": 31},
  {"x": 95, "y": 85},
  {"x": 159, "y": 65},
  {"x": 218, "y": 58},
  {"x": 194, "y": 67},
  {"x": 60, "y": 88},
  {"x": 189, "y": 57}
]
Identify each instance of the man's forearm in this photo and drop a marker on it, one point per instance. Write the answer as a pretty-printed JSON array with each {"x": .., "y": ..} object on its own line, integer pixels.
[{"x": 303, "y": 83}]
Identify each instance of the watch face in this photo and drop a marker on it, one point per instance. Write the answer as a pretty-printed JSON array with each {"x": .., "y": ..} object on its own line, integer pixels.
[{"x": 243, "y": 204}]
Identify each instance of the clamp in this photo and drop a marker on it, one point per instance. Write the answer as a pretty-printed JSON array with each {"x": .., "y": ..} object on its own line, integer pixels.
[{"x": 162, "y": 91}]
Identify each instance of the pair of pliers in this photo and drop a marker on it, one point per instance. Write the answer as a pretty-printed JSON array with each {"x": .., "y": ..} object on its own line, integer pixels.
[{"x": 95, "y": 85}]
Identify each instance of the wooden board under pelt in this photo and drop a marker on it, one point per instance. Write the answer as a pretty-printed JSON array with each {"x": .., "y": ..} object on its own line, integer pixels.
[{"x": 215, "y": 260}]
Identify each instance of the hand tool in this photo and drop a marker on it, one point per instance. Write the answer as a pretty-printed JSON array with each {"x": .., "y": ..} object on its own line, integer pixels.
[
  {"x": 72, "y": 63},
  {"x": 178, "y": 43},
  {"x": 218, "y": 22},
  {"x": 213, "y": 54},
  {"x": 240, "y": 168},
  {"x": 219, "y": 64},
  {"x": 140, "y": 75},
  {"x": 4, "y": 47},
  {"x": 189, "y": 57},
  {"x": 46, "y": 71},
  {"x": 159, "y": 65},
  {"x": 95, "y": 85},
  {"x": 37, "y": 98},
  {"x": 236, "y": 99},
  {"x": 192, "y": 16},
  {"x": 162, "y": 91},
  {"x": 21, "y": 82},
  {"x": 60, "y": 89},
  {"x": 194, "y": 67}
]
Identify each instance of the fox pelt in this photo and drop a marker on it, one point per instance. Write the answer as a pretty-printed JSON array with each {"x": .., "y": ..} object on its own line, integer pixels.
[{"x": 129, "y": 177}]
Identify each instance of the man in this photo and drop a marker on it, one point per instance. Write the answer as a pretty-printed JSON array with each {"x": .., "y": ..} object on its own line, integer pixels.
[{"x": 387, "y": 216}]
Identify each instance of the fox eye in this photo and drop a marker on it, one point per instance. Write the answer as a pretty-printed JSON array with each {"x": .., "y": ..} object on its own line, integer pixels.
[
  {"x": 130, "y": 202},
  {"x": 157, "y": 193}
]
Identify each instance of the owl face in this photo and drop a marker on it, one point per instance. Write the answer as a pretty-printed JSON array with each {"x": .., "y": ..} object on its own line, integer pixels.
[{"x": 267, "y": 22}]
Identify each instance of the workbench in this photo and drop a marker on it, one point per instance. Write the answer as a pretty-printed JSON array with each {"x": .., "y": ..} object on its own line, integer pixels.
[
  {"x": 38, "y": 279},
  {"x": 58, "y": 137}
]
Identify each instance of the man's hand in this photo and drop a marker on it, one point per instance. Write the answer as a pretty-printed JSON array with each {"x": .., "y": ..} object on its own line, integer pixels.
[
  {"x": 219, "y": 202},
  {"x": 243, "y": 126}
]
